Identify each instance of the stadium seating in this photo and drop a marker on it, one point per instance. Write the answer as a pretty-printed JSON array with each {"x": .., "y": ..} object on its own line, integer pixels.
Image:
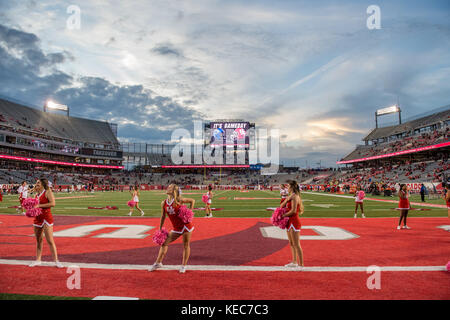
[
  {"x": 56, "y": 125},
  {"x": 425, "y": 131}
]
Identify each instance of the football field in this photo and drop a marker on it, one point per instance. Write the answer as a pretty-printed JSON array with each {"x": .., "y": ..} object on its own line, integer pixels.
[
  {"x": 229, "y": 204},
  {"x": 238, "y": 250}
]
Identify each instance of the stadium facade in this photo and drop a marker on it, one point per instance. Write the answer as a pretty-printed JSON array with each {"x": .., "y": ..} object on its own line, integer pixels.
[{"x": 36, "y": 140}]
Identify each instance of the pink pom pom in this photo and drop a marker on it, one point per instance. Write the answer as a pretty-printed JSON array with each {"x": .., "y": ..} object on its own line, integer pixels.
[
  {"x": 278, "y": 220},
  {"x": 29, "y": 203},
  {"x": 160, "y": 236},
  {"x": 361, "y": 194},
  {"x": 448, "y": 266},
  {"x": 131, "y": 204},
  {"x": 33, "y": 212},
  {"x": 205, "y": 198},
  {"x": 185, "y": 214}
]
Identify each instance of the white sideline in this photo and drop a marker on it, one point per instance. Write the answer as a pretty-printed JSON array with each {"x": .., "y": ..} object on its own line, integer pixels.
[{"x": 223, "y": 268}]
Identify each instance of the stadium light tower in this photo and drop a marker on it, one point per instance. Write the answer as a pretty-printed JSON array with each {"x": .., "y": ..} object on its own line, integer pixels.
[
  {"x": 50, "y": 105},
  {"x": 392, "y": 109}
]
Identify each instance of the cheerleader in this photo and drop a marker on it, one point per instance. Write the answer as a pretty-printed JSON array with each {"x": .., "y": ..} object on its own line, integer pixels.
[
  {"x": 208, "y": 203},
  {"x": 170, "y": 207},
  {"x": 23, "y": 194},
  {"x": 284, "y": 192},
  {"x": 359, "y": 199},
  {"x": 135, "y": 198},
  {"x": 43, "y": 223},
  {"x": 403, "y": 206},
  {"x": 294, "y": 207}
]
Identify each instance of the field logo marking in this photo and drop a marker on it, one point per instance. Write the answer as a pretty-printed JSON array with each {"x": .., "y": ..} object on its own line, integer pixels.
[
  {"x": 445, "y": 227},
  {"x": 324, "y": 205},
  {"x": 324, "y": 233},
  {"x": 125, "y": 231},
  {"x": 374, "y": 280}
]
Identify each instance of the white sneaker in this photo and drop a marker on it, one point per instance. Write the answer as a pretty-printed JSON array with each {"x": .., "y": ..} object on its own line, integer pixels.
[
  {"x": 398, "y": 228},
  {"x": 291, "y": 265},
  {"x": 142, "y": 213},
  {"x": 363, "y": 215},
  {"x": 355, "y": 216},
  {"x": 155, "y": 266},
  {"x": 406, "y": 227},
  {"x": 130, "y": 214},
  {"x": 59, "y": 264},
  {"x": 183, "y": 269},
  {"x": 35, "y": 264}
]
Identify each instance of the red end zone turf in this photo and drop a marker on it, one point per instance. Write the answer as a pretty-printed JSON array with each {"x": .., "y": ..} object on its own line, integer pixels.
[{"x": 227, "y": 243}]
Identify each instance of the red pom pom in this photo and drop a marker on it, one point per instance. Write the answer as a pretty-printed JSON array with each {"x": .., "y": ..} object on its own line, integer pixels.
[
  {"x": 278, "y": 220},
  {"x": 29, "y": 203},
  {"x": 160, "y": 236},
  {"x": 185, "y": 214},
  {"x": 131, "y": 203},
  {"x": 33, "y": 212},
  {"x": 205, "y": 198}
]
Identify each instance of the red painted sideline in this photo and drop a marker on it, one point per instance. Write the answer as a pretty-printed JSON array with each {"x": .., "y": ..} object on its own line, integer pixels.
[{"x": 436, "y": 146}]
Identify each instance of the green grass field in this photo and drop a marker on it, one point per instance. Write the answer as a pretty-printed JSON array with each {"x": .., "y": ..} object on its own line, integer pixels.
[
  {"x": 11, "y": 296},
  {"x": 316, "y": 205}
]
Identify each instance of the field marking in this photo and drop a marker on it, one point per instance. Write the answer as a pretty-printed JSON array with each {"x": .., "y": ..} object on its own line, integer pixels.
[
  {"x": 74, "y": 197},
  {"x": 223, "y": 268},
  {"x": 324, "y": 205},
  {"x": 432, "y": 205},
  {"x": 241, "y": 198},
  {"x": 114, "y": 298}
]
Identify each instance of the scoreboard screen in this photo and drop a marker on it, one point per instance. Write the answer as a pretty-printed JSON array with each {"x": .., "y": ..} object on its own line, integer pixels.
[{"x": 229, "y": 134}]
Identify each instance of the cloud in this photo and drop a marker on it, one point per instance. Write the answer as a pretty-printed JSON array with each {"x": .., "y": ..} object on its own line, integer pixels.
[
  {"x": 167, "y": 50},
  {"x": 26, "y": 72}
]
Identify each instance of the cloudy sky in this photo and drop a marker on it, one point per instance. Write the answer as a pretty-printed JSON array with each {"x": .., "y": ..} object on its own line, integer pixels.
[{"x": 312, "y": 69}]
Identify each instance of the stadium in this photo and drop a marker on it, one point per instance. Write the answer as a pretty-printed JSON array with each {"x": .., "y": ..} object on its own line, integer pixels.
[
  {"x": 224, "y": 158},
  {"x": 92, "y": 175}
]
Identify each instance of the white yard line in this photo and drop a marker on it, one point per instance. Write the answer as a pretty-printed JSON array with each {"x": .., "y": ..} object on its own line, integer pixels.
[
  {"x": 431, "y": 205},
  {"x": 225, "y": 267}
]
